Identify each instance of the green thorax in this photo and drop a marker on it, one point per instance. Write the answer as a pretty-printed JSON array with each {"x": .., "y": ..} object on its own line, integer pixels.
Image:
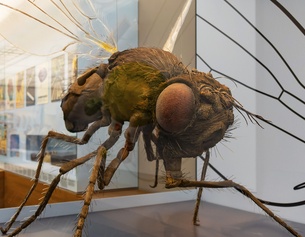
[{"x": 131, "y": 91}]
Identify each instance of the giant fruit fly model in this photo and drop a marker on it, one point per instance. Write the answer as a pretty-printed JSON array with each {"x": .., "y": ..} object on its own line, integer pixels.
[{"x": 182, "y": 112}]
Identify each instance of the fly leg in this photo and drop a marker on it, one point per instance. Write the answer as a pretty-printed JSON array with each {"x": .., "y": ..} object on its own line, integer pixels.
[
  {"x": 156, "y": 173},
  {"x": 148, "y": 138},
  {"x": 114, "y": 131},
  {"x": 200, "y": 189},
  {"x": 98, "y": 172},
  {"x": 91, "y": 130},
  {"x": 100, "y": 157},
  {"x": 172, "y": 183},
  {"x": 100, "y": 154},
  {"x": 63, "y": 170},
  {"x": 131, "y": 135}
]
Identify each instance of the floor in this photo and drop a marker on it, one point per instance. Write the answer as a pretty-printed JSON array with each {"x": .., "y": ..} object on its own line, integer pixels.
[{"x": 170, "y": 220}]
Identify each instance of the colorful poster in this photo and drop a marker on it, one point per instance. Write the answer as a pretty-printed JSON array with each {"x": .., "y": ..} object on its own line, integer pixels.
[
  {"x": 57, "y": 77},
  {"x": 10, "y": 93},
  {"x": 2, "y": 94},
  {"x": 3, "y": 138},
  {"x": 55, "y": 153},
  {"x": 20, "y": 90},
  {"x": 42, "y": 83},
  {"x": 30, "y": 86},
  {"x": 33, "y": 143},
  {"x": 14, "y": 145}
]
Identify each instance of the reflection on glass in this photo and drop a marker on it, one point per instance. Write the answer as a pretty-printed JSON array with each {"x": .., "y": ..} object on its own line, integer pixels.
[{"x": 31, "y": 88}]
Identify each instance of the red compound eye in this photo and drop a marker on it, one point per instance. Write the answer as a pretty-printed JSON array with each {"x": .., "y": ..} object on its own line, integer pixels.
[{"x": 175, "y": 107}]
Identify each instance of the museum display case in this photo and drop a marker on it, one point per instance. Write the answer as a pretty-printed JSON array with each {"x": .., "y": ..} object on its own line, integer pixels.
[
  {"x": 256, "y": 54},
  {"x": 32, "y": 87}
]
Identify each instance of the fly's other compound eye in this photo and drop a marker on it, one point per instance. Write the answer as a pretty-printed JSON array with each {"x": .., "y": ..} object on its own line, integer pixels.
[{"x": 175, "y": 107}]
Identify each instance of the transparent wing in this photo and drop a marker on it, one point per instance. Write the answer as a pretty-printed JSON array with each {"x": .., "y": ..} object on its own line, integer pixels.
[
  {"x": 281, "y": 81},
  {"x": 260, "y": 47},
  {"x": 76, "y": 26}
]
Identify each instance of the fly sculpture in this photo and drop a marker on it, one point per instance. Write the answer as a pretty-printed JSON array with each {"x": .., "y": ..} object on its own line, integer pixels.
[{"x": 182, "y": 112}]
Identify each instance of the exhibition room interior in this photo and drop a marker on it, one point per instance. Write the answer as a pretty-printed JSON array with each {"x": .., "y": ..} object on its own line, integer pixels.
[{"x": 249, "y": 103}]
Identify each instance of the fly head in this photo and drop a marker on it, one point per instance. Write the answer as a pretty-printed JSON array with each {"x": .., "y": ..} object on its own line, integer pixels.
[{"x": 82, "y": 104}]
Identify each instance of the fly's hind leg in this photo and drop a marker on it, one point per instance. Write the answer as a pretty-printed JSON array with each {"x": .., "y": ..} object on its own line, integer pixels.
[
  {"x": 200, "y": 189},
  {"x": 173, "y": 183},
  {"x": 59, "y": 136}
]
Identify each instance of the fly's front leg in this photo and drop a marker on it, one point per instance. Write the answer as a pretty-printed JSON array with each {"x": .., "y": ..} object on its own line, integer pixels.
[
  {"x": 63, "y": 170},
  {"x": 86, "y": 137},
  {"x": 105, "y": 121},
  {"x": 131, "y": 135},
  {"x": 36, "y": 180},
  {"x": 59, "y": 136},
  {"x": 148, "y": 138},
  {"x": 114, "y": 131}
]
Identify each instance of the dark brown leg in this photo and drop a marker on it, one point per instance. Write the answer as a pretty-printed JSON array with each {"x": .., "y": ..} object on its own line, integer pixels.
[
  {"x": 156, "y": 174},
  {"x": 63, "y": 170},
  {"x": 101, "y": 155},
  {"x": 148, "y": 138},
  {"x": 102, "y": 176},
  {"x": 172, "y": 183},
  {"x": 131, "y": 135},
  {"x": 200, "y": 189},
  {"x": 91, "y": 130}
]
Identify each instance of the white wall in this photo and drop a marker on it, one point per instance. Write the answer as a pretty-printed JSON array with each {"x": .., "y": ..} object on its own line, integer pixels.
[
  {"x": 156, "y": 19},
  {"x": 268, "y": 161}
]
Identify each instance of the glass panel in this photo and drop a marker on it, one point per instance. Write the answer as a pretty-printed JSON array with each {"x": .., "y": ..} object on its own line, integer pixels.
[{"x": 31, "y": 85}]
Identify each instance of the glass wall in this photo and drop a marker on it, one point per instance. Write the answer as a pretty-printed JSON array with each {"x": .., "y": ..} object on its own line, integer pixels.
[{"x": 31, "y": 85}]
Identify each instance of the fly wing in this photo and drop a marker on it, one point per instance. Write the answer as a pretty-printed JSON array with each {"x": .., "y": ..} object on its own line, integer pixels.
[
  {"x": 260, "y": 45},
  {"x": 242, "y": 56},
  {"x": 74, "y": 25}
]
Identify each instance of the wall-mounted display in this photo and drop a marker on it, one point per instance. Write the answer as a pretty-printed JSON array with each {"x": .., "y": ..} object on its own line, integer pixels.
[
  {"x": 14, "y": 145},
  {"x": 3, "y": 138},
  {"x": 30, "y": 86},
  {"x": 58, "y": 78},
  {"x": 56, "y": 153},
  {"x": 42, "y": 72},
  {"x": 10, "y": 92},
  {"x": 2, "y": 94},
  {"x": 20, "y": 88}
]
